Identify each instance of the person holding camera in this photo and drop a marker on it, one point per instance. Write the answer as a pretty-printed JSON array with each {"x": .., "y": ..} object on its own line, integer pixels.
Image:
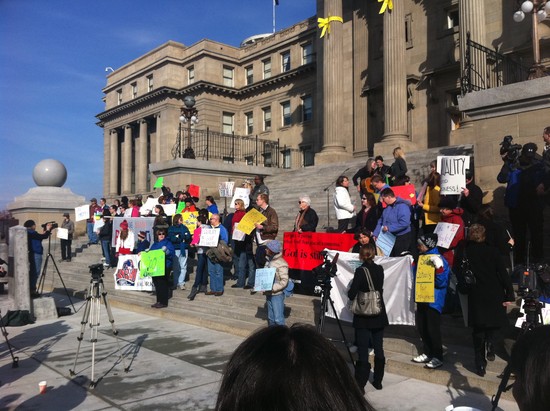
[
  {"x": 36, "y": 251},
  {"x": 66, "y": 244},
  {"x": 522, "y": 175}
]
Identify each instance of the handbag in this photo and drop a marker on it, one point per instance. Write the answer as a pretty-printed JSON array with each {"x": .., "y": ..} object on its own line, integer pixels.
[
  {"x": 467, "y": 279},
  {"x": 367, "y": 303}
]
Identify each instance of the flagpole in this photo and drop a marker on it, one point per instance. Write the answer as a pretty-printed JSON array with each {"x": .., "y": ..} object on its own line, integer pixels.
[{"x": 274, "y": 1}]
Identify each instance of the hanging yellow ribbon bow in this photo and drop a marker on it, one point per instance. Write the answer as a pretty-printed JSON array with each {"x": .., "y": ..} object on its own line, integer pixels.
[
  {"x": 388, "y": 4},
  {"x": 324, "y": 24}
]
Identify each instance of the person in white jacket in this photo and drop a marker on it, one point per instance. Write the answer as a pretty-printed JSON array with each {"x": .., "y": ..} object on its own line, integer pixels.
[{"x": 345, "y": 209}]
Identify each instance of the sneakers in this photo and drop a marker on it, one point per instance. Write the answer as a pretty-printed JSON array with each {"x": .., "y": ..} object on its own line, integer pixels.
[
  {"x": 422, "y": 358},
  {"x": 434, "y": 363},
  {"x": 182, "y": 286}
]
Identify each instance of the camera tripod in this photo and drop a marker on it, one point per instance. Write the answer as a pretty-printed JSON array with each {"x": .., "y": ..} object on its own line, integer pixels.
[
  {"x": 41, "y": 280},
  {"x": 15, "y": 360},
  {"x": 91, "y": 315}
]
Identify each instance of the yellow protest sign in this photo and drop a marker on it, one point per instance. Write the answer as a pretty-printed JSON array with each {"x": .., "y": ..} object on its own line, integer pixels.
[
  {"x": 190, "y": 220},
  {"x": 247, "y": 224},
  {"x": 425, "y": 278}
]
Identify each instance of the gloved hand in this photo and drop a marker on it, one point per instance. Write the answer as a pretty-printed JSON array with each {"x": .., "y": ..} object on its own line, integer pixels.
[{"x": 436, "y": 261}]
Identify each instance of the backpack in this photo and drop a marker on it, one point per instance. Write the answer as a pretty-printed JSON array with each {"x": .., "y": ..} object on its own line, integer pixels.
[
  {"x": 222, "y": 253},
  {"x": 288, "y": 291}
]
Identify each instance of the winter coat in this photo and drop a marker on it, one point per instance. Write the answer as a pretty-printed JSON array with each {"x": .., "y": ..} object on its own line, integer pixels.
[
  {"x": 359, "y": 283},
  {"x": 454, "y": 218},
  {"x": 398, "y": 169},
  {"x": 471, "y": 204},
  {"x": 342, "y": 203},
  {"x": 397, "y": 217},
  {"x": 180, "y": 236},
  {"x": 281, "y": 274},
  {"x": 431, "y": 205},
  {"x": 367, "y": 219},
  {"x": 309, "y": 220},
  {"x": 169, "y": 252}
]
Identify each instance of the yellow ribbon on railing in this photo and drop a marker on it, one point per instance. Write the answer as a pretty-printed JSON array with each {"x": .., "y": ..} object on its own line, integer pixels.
[
  {"x": 324, "y": 24},
  {"x": 388, "y": 4}
]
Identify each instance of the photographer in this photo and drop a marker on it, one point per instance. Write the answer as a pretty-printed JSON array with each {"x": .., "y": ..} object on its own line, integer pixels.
[
  {"x": 523, "y": 174},
  {"x": 36, "y": 251}
]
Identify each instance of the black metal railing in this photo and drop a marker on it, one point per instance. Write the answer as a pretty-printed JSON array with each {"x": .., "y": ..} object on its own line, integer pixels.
[
  {"x": 486, "y": 68},
  {"x": 234, "y": 149}
]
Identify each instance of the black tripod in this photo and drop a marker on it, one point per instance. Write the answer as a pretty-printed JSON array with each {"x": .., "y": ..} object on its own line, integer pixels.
[
  {"x": 40, "y": 286},
  {"x": 15, "y": 360},
  {"x": 91, "y": 315},
  {"x": 533, "y": 318}
]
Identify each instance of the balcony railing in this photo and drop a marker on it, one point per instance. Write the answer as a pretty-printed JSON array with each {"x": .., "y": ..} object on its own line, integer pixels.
[
  {"x": 234, "y": 149},
  {"x": 486, "y": 68}
]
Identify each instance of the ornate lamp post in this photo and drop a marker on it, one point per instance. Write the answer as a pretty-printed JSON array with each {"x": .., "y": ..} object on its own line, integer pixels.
[
  {"x": 539, "y": 9},
  {"x": 189, "y": 116}
]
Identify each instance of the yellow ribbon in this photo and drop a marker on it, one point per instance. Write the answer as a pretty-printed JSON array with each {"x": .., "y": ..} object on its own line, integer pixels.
[
  {"x": 324, "y": 24},
  {"x": 388, "y": 4}
]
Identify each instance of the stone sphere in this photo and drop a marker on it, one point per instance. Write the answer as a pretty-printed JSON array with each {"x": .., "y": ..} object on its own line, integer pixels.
[{"x": 49, "y": 173}]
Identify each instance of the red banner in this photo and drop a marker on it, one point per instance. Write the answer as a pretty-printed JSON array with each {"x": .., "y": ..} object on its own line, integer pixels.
[{"x": 302, "y": 251}]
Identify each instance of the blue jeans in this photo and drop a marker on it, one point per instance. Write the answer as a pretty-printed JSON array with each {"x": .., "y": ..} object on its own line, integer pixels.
[
  {"x": 201, "y": 275},
  {"x": 106, "y": 248},
  {"x": 92, "y": 236},
  {"x": 275, "y": 309},
  {"x": 240, "y": 261},
  {"x": 216, "y": 276},
  {"x": 180, "y": 269},
  {"x": 38, "y": 267},
  {"x": 251, "y": 263}
]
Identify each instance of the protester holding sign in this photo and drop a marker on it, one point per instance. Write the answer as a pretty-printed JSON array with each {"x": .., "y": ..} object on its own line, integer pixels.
[
  {"x": 215, "y": 269},
  {"x": 396, "y": 219},
  {"x": 179, "y": 236},
  {"x": 275, "y": 298},
  {"x": 369, "y": 329},
  {"x": 430, "y": 203},
  {"x": 161, "y": 282},
  {"x": 452, "y": 215},
  {"x": 267, "y": 230},
  {"x": 66, "y": 243},
  {"x": 242, "y": 248},
  {"x": 201, "y": 273},
  {"x": 428, "y": 314}
]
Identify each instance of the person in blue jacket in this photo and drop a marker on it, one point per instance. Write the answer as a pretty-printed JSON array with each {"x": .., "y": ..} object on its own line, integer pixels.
[
  {"x": 161, "y": 282},
  {"x": 428, "y": 315},
  {"x": 396, "y": 219},
  {"x": 180, "y": 237}
]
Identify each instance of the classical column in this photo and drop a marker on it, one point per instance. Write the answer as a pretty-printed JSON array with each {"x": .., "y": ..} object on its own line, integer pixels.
[
  {"x": 334, "y": 148},
  {"x": 395, "y": 77},
  {"x": 157, "y": 137},
  {"x": 113, "y": 164},
  {"x": 127, "y": 160},
  {"x": 141, "y": 163},
  {"x": 472, "y": 20}
]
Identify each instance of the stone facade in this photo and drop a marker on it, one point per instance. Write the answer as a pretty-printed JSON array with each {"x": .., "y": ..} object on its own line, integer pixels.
[{"x": 375, "y": 82}]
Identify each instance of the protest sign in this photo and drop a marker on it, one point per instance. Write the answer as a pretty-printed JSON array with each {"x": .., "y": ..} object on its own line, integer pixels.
[
  {"x": 169, "y": 209},
  {"x": 98, "y": 224},
  {"x": 445, "y": 233},
  {"x": 453, "y": 173},
  {"x": 237, "y": 234},
  {"x": 242, "y": 194},
  {"x": 135, "y": 224},
  {"x": 63, "y": 233},
  {"x": 149, "y": 206},
  {"x": 406, "y": 192},
  {"x": 194, "y": 190},
  {"x": 209, "y": 236},
  {"x": 159, "y": 183},
  {"x": 152, "y": 263},
  {"x": 385, "y": 242},
  {"x": 82, "y": 213},
  {"x": 190, "y": 220},
  {"x": 425, "y": 277},
  {"x": 226, "y": 188},
  {"x": 264, "y": 279},
  {"x": 249, "y": 220},
  {"x": 127, "y": 275}
]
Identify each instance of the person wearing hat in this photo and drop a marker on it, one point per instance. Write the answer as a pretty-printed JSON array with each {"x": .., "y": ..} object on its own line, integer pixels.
[
  {"x": 143, "y": 243},
  {"x": 125, "y": 242},
  {"x": 276, "y": 297},
  {"x": 95, "y": 213},
  {"x": 470, "y": 200},
  {"x": 105, "y": 234},
  {"x": 66, "y": 244},
  {"x": 428, "y": 315},
  {"x": 36, "y": 252},
  {"x": 452, "y": 214}
]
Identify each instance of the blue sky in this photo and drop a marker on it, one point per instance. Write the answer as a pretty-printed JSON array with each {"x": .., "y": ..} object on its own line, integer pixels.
[{"x": 53, "y": 55}]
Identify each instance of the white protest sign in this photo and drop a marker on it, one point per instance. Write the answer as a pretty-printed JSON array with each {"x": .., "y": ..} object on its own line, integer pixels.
[
  {"x": 82, "y": 213},
  {"x": 209, "y": 237},
  {"x": 453, "y": 173},
  {"x": 445, "y": 233},
  {"x": 237, "y": 234},
  {"x": 63, "y": 233},
  {"x": 170, "y": 209},
  {"x": 243, "y": 194},
  {"x": 98, "y": 224},
  {"x": 264, "y": 279},
  {"x": 148, "y": 206},
  {"x": 226, "y": 188}
]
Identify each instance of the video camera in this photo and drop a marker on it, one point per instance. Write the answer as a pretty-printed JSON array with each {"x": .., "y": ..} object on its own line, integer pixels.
[
  {"x": 534, "y": 283},
  {"x": 53, "y": 223},
  {"x": 96, "y": 270},
  {"x": 508, "y": 151},
  {"x": 326, "y": 270}
]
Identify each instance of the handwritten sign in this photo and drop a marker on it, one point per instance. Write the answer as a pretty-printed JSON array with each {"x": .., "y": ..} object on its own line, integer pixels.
[
  {"x": 425, "y": 278},
  {"x": 82, "y": 213},
  {"x": 190, "y": 220},
  {"x": 445, "y": 233},
  {"x": 241, "y": 193},
  {"x": 63, "y": 233},
  {"x": 247, "y": 224},
  {"x": 226, "y": 188},
  {"x": 385, "y": 242},
  {"x": 264, "y": 279},
  {"x": 209, "y": 236},
  {"x": 169, "y": 209},
  {"x": 453, "y": 173},
  {"x": 149, "y": 206},
  {"x": 127, "y": 275},
  {"x": 152, "y": 263},
  {"x": 237, "y": 234}
]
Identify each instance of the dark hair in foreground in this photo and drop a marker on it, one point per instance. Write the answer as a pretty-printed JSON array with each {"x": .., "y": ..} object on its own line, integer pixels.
[
  {"x": 291, "y": 369},
  {"x": 529, "y": 362}
]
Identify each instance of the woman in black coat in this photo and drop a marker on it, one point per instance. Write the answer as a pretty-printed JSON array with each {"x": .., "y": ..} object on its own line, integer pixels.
[
  {"x": 307, "y": 219},
  {"x": 369, "y": 328},
  {"x": 488, "y": 298}
]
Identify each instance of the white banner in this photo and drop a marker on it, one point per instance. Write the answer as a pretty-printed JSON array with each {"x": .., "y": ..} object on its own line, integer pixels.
[
  {"x": 398, "y": 287},
  {"x": 453, "y": 173},
  {"x": 127, "y": 275}
]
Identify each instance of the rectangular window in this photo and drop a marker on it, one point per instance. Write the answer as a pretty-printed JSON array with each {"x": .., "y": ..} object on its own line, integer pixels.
[
  {"x": 307, "y": 108},
  {"x": 249, "y": 123},
  {"x": 150, "y": 83},
  {"x": 119, "y": 96},
  {"x": 249, "y": 75},
  {"x": 228, "y": 76},
  {"x": 309, "y": 157},
  {"x": 286, "y": 114},
  {"x": 266, "y": 64},
  {"x": 190, "y": 75},
  {"x": 408, "y": 31},
  {"x": 267, "y": 118},
  {"x": 134, "y": 90},
  {"x": 287, "y": 159},
  {"x": 227, "y": 123},
  {"x": 285, "y": 61},
  {"x": 307, "y": 53}
]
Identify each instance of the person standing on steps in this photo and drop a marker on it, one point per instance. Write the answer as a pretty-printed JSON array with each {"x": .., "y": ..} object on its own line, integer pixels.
[{"x": 66, "y": 244}]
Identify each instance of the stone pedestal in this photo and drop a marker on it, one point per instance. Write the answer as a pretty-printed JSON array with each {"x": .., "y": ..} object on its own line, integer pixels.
[{"x": 44, "y": 308}]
